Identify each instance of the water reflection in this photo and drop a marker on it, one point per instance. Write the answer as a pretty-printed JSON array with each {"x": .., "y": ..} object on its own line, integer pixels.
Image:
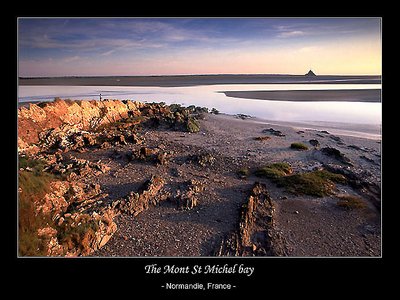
[{"x": 210, "y": 96}]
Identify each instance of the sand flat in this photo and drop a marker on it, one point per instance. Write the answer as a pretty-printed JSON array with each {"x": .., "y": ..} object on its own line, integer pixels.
[
  {"x": 193, "y": 80},
  {"x": 364, "y": 95}
]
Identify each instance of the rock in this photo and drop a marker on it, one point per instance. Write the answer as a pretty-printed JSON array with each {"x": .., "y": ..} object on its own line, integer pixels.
[
  {"x": 186, "y": 196},
  {"x": 336, "y": 139},
  {"x": 59, "y": 115},
  {"x": 242, "y": 116},
  {"x": 162, "y": 158},
  {"x": 136, "y": 202},
  {"x": 314, "y": 142},
  {"x": 360, "y": 180},
  {"x": 256, "y": 234},
  {"x": 273, "y": 131},
  {"x": 146, "y": 152},
  {"x": 336, "y": 154},
  {"x": 105, "y": 145},
  {"x": 120, "y": 139},
  {"x": 370, "y": 160},
  {"x": 205, "y": 159}
]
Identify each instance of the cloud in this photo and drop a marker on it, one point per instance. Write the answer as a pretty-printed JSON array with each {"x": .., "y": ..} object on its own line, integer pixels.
[
  {"x": 289, "y": 34},
  {"x": 308, "y": 49},
  {"x": 71, "y": 59}
]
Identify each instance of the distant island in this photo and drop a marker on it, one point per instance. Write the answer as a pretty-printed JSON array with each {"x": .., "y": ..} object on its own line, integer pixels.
[{"x": 310, "y": 73}]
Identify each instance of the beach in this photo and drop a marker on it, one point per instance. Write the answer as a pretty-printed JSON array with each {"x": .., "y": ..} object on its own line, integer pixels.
[
  {"x": 311, "y": 226},
  {"x": 196, "y": 180}
]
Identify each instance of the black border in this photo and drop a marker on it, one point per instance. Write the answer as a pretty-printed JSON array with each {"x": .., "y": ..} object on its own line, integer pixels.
[{"x": 297, "y": 276}]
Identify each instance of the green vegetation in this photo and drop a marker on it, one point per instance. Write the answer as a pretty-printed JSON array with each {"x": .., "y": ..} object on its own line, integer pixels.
[
  {"x": 316, "y": 183},
  {"x": 192, "y": 125},
  {"x": 274, "y": 171},
  {"x": 350, "y": 202},
  {"x": 33, "y": 185},
  {"x": 298, "y": 146},
  {"x": 78, "y": 236},
  {"x": 243, "y": 172}
]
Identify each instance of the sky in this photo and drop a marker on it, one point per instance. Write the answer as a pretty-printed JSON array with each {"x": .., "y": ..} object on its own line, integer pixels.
[{"x": 170, "y": 46}]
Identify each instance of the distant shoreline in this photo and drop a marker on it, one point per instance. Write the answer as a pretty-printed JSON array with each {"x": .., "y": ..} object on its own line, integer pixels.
[{"x": 193, "y": 80}]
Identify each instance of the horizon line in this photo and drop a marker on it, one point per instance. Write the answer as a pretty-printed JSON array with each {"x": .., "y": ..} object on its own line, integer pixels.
[{"x": 210, "y": 74}]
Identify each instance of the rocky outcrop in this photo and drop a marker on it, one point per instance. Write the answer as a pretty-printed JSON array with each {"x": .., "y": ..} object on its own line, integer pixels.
[
  {"x": 79, "y": 234},
  {"x": 76, "y": 115},
  {"x": 81, "y": 216},
  {"x": 136, "y": 202},
  {"x": 337, "y": 155},
  {"x": 72, "y": 125},
  {"x": 203, "y": 159},
  {"x": 256, "y": 235},
  {"x": 75, "y": 168},
  {"x": 186, "y": 195},
  {"x": 81, "y": 225},
  {"x": 273, "y": 131}
]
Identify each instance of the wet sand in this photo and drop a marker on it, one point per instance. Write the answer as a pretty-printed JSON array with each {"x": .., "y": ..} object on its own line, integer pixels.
[{"x": 368, "y": 95}]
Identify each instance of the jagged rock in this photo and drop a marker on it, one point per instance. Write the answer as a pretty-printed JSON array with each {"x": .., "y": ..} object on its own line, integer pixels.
[
  {"x": 186, "y": 196},
  {"x": 80, "y": 167},
  {"x": 54, "y": 203},
  {"x": 105, "y": 145},
  {"x": 120, "y": 139},
  {"x": 136, "y": 202},
  {"x": 76, "y": 232},
  {"x": 84, "y": 115},
  {"x": 273, "y": 131},
  {"x": 204, "y": 159},
  {"x": 163, "y": 158},
  {"x": 64, "y": 194},
  {"x": 80, "y": 234},
  {"x": 256, "y": 234}
]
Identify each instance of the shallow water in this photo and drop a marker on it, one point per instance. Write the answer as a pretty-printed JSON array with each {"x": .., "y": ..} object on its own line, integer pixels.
[{"x": 210, "y": 96}]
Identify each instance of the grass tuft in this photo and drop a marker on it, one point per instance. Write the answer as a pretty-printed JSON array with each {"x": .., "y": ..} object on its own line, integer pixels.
[
  {"x": 298, "y": 146},
  {"x": 349, "y": 202},
  {"x": 274, "y": 171},
  {"x": 33, "y": 185},
  {"x": 243, "y": 172},
  {"x": 317, "y": 183}
]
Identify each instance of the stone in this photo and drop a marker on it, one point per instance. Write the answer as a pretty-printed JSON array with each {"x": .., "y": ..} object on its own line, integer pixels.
[
  {"x": 314, "y": 142},
  {"x": 186, "y": 196},
  {"x": 336, "y": 154},
  {"x": 136, "y": 202},
  {"x": 273, "y": 131},
  {"x": 256, "y": 234}
]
